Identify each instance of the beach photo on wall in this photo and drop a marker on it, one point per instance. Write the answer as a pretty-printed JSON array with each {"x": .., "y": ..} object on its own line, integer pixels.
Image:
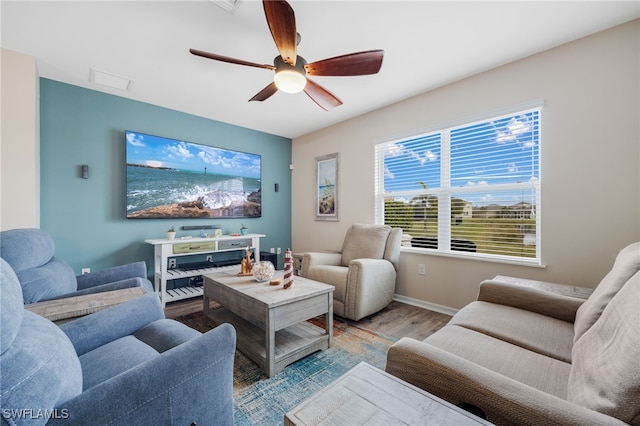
[
  {"x": 169, "y": 178},
  {"x": 327, "y": 168}
]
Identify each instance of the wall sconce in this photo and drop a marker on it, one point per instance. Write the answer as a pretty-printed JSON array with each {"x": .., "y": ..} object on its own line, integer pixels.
[{"x": 84, "y": 171}]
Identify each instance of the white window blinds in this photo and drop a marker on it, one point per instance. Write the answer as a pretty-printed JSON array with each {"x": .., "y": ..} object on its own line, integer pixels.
[{"x": 473, "y": 188}]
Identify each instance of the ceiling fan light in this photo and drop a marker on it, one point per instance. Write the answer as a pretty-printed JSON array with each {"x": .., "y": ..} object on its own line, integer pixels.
[{"x": 290, "y": 81}]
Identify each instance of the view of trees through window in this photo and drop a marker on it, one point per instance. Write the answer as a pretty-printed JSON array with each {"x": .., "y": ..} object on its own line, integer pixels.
[{"x": 472, "y": 188}]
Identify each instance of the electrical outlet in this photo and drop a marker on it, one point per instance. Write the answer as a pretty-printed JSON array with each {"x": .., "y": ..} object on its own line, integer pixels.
[
  {"x": 209, "y": 258},
  {"x": 422, "y": 269},
  {"x": 279, "y": 250},
  {"x": 272, "y": 250},
  {"x": 172, "y": 263},
  {"x": 86, "y": 271}
]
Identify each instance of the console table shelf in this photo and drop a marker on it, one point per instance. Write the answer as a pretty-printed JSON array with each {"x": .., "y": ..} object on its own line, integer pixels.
[
  {"x": 164, "y": 250},
  {"x": 183, "y": 293},
  {"x": 174, "y": 274}
]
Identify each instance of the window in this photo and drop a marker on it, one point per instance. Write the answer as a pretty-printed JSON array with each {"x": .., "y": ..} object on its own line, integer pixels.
[{"x": 473, "y": 188}]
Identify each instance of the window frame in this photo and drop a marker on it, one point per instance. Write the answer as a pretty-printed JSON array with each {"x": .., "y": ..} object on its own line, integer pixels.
[{"x": 446, "y": 192}]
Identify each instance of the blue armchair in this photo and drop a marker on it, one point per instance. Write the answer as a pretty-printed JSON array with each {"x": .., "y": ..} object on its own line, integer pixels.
[
  {"x": 124, "y": 365},
  {"x": 43, "y": 276}
]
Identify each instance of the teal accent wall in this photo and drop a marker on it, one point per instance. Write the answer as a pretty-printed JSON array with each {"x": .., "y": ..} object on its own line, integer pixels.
[{"x": 86, "y": 217}]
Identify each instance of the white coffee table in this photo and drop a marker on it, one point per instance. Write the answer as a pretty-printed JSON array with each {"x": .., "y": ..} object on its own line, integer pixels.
[
  {"x": 270, "y": 321},
  {"x": 366, "y": 395}
]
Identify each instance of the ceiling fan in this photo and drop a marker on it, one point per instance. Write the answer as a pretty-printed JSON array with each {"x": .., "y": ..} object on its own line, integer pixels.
[{"x": 291, "y": 70}]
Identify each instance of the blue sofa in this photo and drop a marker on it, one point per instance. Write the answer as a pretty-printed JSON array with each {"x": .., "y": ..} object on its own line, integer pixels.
[
  {"x": 123, "y": 365},
  {"x": 43, "y": 276}
]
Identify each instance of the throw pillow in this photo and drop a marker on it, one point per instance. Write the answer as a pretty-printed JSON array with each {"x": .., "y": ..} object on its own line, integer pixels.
[
  {"x": 626, "y": 265},
  {"x": 605, "y": 372}
]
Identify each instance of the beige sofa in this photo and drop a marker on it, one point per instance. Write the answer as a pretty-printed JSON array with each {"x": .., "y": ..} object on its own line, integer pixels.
[{"x": 525, "y": 355}]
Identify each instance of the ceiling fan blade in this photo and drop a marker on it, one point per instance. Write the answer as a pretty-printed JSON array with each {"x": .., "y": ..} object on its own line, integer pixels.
[
  {"x": 321, "y": 96},
  {"x": 265, "y": 93},
  {"x": 359, "y": 63},
  {"x": 217, "y": 57},
  {"x": 282, "y": 23}
]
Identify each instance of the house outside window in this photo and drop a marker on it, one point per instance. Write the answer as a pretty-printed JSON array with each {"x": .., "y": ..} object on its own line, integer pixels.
[{"x": 471, "y": 189}]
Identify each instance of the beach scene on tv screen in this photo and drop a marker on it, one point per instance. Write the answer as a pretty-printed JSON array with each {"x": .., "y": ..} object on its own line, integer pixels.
[{"x": 168, "y": 178}]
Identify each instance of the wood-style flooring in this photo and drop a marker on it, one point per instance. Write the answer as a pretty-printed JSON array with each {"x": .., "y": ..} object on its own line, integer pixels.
[
  {"x": 402, "y": 320},
  {"x": 396, "y": 320}
]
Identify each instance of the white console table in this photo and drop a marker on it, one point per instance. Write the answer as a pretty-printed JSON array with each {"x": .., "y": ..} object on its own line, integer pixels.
[{"x": 164, "y": 250}]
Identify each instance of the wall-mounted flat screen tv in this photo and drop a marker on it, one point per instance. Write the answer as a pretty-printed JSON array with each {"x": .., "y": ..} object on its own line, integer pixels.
[{"x": 168, "y": 178}]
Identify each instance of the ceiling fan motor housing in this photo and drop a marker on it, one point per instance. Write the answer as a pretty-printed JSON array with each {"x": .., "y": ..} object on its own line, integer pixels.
[{"x": 281, "y": 65}]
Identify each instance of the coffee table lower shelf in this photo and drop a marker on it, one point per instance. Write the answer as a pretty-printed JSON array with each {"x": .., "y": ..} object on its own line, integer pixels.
[{"x": 292, "y": 343}]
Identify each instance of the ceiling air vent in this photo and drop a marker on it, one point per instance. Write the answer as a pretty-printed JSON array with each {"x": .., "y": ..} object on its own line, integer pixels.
[
  {"x": 109, "y": 80},
  {"x": 228, "y": 5}
]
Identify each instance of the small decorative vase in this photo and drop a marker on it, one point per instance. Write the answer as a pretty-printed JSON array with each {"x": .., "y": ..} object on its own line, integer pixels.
[
  {"x": 243, "y": 231},
  {"x": 263, "y": 271},
  {"x": 171, "y": 235}
]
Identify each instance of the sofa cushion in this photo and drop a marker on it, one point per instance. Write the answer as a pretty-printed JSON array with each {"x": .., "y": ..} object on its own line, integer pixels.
[
  {"x": 332, "y": 275},
  {"x": 12, "y": 306},
  {"x": 605, "y": 375},
  {"x": 38, "y": 366},
  {"x": 40, "y": 370},
  {"x": 549, "y": 336},
  {"x": 114, "y": 358},
  {"x": 165, "y": 334},
  {"x": 49, "y": 281},
  {"x": 509, "y": 360},
  {"x": 364, "y": 241},
  {"x": 26, "y": 248},
  {"x": 627, "y": 263}
]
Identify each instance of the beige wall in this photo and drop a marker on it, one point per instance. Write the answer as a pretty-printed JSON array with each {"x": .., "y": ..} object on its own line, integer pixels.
[
  {"x": 590, "y": 163},
  {"x": 20, "y": 143}
]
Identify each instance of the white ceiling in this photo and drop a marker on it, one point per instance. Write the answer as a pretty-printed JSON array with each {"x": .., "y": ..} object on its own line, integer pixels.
[{"x": 427, "y": 44}]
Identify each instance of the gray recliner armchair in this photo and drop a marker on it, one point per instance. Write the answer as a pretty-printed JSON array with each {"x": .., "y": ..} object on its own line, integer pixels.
[
  {"x": 363, "y": 272},
  {"x": 126, "y": 365},
  {"x": 43, "y": 276}
]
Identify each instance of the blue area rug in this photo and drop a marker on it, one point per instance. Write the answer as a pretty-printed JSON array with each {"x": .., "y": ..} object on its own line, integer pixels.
[{"x": 264, "y": 401}]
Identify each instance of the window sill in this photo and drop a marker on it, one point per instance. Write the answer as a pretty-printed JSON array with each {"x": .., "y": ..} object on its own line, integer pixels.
[{"x": 475, "y": 257}]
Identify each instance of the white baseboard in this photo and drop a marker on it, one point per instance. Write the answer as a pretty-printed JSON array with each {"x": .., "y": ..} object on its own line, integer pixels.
[{"x": 425, "y": 305}]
